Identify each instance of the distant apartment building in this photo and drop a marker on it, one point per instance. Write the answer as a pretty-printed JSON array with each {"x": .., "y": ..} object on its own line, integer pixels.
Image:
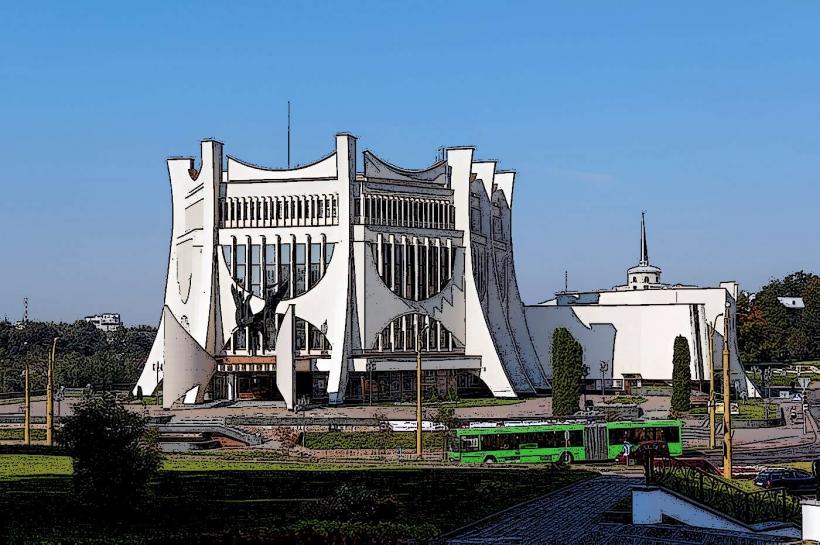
[{"x": 105, "y": 322}]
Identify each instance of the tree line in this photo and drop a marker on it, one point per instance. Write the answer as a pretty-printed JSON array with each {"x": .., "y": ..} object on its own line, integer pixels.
[
  {"x": 85, "y": 354},
  {"x": 769, "y": 331}
]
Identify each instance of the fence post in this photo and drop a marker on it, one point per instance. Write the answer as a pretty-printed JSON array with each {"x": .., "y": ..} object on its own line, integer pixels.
[{"x": 784, "y": 504}]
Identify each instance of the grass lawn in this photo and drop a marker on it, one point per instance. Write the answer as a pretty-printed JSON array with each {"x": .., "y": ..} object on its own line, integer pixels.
[
  {"x": 752, "y": 409},
  {"x": 16, "y": 434},
  {"x": 210, "y": 500}
]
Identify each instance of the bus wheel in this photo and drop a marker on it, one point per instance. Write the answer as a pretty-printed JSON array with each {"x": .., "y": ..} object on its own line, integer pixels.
[
  {"x": 566, "y": 457},
  {"x": 489, "y": 460}
]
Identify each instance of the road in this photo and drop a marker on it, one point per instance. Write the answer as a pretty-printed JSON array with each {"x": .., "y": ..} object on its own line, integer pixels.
[{"x": 760, "y": 456}]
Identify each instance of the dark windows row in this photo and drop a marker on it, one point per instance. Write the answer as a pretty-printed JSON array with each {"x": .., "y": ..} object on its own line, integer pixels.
[
  {"x": 401, "y": 335},
  {"x": 299, "y": 264},
  {"x": 636, "y": 436},
  {"x": 518, "y": 441},
  {"x": 414, "y": 271}
]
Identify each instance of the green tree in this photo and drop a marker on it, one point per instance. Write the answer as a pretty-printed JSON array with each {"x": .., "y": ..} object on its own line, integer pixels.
[
  {"x": 112, "y": 450},
  {"x": 567, "y": 372},
  {"x": 446, "y": 416},
  {"x": 681, "y": 375}
]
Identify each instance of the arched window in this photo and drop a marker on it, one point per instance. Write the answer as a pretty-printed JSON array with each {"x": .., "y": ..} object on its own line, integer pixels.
[
  {"x": 634, "y": 278},
  {"x": 645, "y": 279}
]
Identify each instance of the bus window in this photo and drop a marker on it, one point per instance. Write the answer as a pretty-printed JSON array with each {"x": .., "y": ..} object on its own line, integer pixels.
[
  {"x": 469, "y": 443},
  {"x": 671, "y": 434},
  {"x": 576, "y": 438}
]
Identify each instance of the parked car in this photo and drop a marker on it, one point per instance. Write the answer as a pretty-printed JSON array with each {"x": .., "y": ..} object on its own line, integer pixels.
[
  {"x": 794, "y": 480},
  {"x": 699, "y": 463},
  {"x": 660, "y": 450}
]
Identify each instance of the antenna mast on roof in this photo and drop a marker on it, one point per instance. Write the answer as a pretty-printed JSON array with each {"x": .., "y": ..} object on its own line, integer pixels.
[
  {"x": 288, "y": 134},
  {"x": 566, "y": 281},
  {"x": 25, "y": 310}
]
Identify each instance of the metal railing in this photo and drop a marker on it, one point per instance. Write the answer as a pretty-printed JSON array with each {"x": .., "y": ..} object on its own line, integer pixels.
[{"x": 765, "y": 505}]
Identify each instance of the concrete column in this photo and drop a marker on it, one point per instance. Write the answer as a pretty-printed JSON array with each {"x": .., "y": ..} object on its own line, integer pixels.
[
  {"x": 379, "y": 254},
  {"x": 417, "y": 290}
]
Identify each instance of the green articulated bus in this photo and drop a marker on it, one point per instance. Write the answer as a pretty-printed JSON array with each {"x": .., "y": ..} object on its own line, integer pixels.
[{"x": 565, "y": 442}]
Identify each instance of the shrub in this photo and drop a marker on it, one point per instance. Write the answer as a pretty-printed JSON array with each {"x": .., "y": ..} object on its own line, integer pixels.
[
  {"x": 113, "y": 454},
  {"x": 353, "y": 502},
  {"x": 681, "y": 375},
  {"x": 567, "y": 372}
]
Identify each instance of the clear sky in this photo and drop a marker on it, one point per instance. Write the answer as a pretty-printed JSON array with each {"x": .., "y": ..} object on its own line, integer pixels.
[{"x": 706, "y": 114}]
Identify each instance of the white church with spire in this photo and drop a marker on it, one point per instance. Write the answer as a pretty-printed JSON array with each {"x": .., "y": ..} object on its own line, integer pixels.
[{"x": 628, "y": 331}]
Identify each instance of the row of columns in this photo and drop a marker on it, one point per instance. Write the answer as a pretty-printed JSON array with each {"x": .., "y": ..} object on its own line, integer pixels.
[
  {"x": 405, "y": 211},
  {"x": 286, "y": 211}
]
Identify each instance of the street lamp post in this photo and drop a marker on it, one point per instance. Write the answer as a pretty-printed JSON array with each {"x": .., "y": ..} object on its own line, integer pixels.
[
  {"x": 50, "y": 396},
  {"x": 604, "y": 367},
  {"x": 27, "y": 401},
  {"x": 419, "y": 445},
  {"x": 711, "y": 328},
  {"x": 727, "y": 401}
]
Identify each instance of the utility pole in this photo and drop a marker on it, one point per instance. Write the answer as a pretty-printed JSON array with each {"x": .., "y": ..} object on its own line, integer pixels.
[
  {"x": 604, "y": 367},
  {"x": 727, "y": 413},
  {"x": 419, "y": 444},
  {"x": 50, "y": 396},
  {"x": 711, "y": 329},
  {"x": 27, "y": 424},
  {"x": 419, "y": 450}
]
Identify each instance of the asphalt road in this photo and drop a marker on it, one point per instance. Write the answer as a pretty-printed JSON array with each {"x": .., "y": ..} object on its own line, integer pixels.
[{"x": 762, "y": 456}]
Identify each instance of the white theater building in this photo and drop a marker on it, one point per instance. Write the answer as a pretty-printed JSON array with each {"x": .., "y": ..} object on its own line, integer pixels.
[
  {"x": 628, "y": 332},
  {"x": 317, "y": 282}
]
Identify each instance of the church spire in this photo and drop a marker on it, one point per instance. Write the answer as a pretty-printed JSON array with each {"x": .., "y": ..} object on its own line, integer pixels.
[{"x": 644, "y": 260}]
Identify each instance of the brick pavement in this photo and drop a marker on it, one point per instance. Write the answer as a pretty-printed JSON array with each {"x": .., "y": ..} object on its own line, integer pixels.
[{"x": 564, "y": 517}]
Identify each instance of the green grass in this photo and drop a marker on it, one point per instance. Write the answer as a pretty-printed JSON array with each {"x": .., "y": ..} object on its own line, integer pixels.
[
  {"x": 16, "y": 434},
  {"x": 15, "y": 466},
  {"x": 219, "y": 501},
  {"x": 752, "y": 409}
]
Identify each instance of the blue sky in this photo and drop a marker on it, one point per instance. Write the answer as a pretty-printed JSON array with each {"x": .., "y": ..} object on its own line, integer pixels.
[{"x": 705, "y": 114}]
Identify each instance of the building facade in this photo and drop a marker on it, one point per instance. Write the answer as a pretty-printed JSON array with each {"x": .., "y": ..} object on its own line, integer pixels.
[
  {"x": 321, "y": 283},
  {"x": 109, "y": 321},
  {"x": 628, "y": 332}
]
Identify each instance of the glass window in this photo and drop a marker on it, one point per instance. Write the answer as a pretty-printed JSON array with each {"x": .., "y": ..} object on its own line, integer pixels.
[
  {"x": 300, "y": 334},
  {"x": 284, "y": 262},
  {"x": 239, "y": 339},
  {"x": 470, "y": 443},
  {"x": 256, "y": 274},
  {"x": 328, "y": 252},
  {"x": 315, "y": 261},
  {"x": 227, "y": 250},
  {"x": 240, "y": 264},
  {"x": 300, "y": 268}
]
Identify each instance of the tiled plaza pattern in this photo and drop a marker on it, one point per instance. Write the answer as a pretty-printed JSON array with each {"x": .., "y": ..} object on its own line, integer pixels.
[{"x": 574, "y": 515}]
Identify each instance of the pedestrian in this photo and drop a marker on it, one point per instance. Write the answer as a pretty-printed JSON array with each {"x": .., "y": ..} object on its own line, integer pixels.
[{"x": 627, "y": 450}]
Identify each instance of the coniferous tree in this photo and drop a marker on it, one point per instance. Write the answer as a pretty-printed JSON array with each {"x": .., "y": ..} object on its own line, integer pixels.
[
  {"x": 681, "y": 375},
  {"x": 567, "y": 372}
]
